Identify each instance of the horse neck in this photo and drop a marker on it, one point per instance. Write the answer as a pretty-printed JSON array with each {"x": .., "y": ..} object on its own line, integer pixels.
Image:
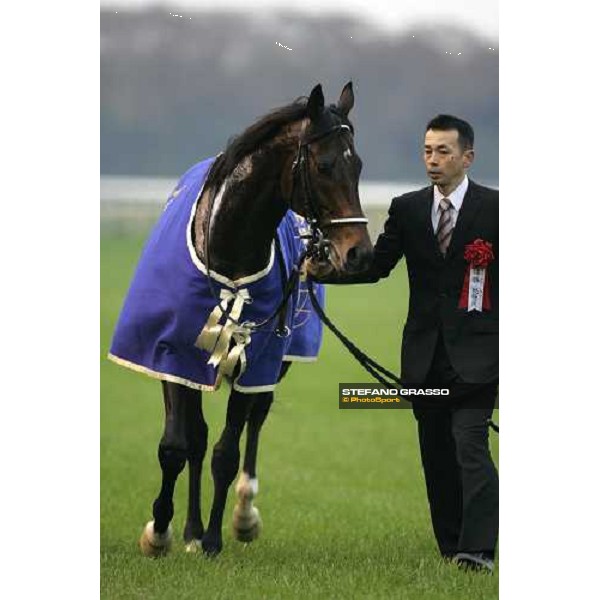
[{"x": 246, "y": 212}]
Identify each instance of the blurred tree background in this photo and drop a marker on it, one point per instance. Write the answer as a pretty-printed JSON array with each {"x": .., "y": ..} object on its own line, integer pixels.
[{"x": 174, "y": 90}]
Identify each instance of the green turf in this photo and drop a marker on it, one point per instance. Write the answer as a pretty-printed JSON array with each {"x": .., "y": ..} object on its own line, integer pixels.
[{"x": 341, "y": 492}]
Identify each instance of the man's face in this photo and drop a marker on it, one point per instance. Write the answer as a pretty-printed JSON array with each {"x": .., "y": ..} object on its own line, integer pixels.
[{"x": 446, "y": 162}]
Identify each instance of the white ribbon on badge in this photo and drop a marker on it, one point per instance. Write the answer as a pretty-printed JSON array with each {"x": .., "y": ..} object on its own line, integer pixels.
[{"x": 476, "y": 287}]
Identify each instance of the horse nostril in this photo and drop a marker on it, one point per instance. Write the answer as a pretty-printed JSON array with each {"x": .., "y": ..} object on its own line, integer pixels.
[
  {"x": 357, "y": 258},
  {"x": 352, "y": 256}
]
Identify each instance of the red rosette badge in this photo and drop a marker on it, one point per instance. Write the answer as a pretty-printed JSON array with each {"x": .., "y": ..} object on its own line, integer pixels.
[{"x": 476, "y": 287}]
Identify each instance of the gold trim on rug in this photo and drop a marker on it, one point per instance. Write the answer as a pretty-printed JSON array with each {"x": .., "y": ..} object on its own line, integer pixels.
[{"x": 162, "y": 376}]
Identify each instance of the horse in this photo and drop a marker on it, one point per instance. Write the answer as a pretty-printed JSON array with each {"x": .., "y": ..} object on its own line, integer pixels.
[{"x": 295, "y": 169}]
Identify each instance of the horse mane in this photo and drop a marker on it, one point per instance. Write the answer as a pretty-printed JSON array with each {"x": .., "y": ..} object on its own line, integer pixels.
[{"x": 254, "y": 136}]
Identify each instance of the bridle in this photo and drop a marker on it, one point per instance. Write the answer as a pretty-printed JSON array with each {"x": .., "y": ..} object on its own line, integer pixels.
[{"x": 318, "y": 245}]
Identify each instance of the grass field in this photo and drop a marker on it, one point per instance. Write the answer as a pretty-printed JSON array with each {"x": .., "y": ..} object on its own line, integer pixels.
[{"x": 342, "y": 494}]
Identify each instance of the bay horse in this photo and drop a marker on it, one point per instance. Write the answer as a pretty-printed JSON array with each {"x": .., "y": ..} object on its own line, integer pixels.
[{"x": 224, "y": 225}]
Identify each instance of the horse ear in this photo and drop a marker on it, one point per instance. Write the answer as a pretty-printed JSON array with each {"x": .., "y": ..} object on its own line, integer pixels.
[
  {"x": 346, "y": 101},
  {"x": 316, "y": 102}
]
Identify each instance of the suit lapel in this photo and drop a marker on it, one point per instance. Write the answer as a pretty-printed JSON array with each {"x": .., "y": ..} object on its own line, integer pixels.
[{"x": 468, "y": 211}]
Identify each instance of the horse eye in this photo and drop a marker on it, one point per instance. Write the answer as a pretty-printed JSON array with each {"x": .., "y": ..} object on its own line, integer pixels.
[{"x": 325, "y": 168}]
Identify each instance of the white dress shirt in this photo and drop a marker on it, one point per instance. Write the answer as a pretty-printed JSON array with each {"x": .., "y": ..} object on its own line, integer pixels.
[{"x": 456, "y": 198}]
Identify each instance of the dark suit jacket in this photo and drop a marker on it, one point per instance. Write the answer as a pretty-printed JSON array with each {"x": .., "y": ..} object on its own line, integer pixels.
[{"x": 471, "y": 338}]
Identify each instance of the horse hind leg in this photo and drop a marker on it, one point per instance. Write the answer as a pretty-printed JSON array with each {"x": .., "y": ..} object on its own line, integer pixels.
[
  {"x": 157, "y": 537},
  {"x": 247, "y": 523}
]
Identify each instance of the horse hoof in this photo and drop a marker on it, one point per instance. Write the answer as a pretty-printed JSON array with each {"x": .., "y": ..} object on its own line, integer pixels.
[
  {"x": 154, "y": 545},
  {"x": 193, "y": 546},
  {"x": 247, "y": 525},
  {"x": 211, "y": 547}
]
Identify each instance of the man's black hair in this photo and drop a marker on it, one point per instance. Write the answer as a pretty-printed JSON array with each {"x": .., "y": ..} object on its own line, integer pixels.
[{"x": 466, "y": 136}]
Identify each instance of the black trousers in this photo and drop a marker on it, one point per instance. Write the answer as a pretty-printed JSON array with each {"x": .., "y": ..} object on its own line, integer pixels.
[{"x": 461, "y": 478}]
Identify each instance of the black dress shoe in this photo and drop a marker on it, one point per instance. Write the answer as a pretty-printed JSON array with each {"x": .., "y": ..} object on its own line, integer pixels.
[{"x": 476, "y": 561}]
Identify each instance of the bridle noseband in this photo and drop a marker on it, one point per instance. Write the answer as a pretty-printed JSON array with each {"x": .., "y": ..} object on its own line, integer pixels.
[{"x": 318, "y": 244}]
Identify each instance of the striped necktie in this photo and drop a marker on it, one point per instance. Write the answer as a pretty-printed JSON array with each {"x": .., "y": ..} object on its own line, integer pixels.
[{"x": 445, "y": 228}]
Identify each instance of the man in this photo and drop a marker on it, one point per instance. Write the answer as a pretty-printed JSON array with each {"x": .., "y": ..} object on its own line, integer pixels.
[{"x": 448, "y": 233}]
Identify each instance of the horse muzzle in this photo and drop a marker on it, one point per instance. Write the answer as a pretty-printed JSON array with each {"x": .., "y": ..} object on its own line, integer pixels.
[
  {"x": 322, "y": 266},
  {"x": 358, "y": 259}
]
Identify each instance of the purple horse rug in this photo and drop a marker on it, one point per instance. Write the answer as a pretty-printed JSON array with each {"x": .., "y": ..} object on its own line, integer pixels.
[{"x": 173, "y": 328}]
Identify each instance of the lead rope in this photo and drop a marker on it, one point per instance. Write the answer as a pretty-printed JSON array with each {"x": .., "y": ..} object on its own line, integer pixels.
[{"x": 370, "y": 365}]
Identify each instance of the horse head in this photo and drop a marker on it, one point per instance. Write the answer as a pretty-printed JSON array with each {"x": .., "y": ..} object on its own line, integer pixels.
[{"x": 324, "y": 187}]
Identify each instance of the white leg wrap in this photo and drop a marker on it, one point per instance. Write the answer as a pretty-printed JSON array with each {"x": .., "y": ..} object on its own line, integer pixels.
[
  {"x": 155, "y": 544},
  {"x": 246, "y": 488},
  {"x": 158, "y": 539},
  {"x": 246, "y": 518},
  {"x": 193, "y": 546}
]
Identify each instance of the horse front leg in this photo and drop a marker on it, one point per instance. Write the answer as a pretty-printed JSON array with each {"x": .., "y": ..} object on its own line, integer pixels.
[
  {"x": 157, "y": 536},
  {"x": 197, "y": 438},
  {"x": 247, "y": 523},
  {"x": 224, "y": 465}
]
